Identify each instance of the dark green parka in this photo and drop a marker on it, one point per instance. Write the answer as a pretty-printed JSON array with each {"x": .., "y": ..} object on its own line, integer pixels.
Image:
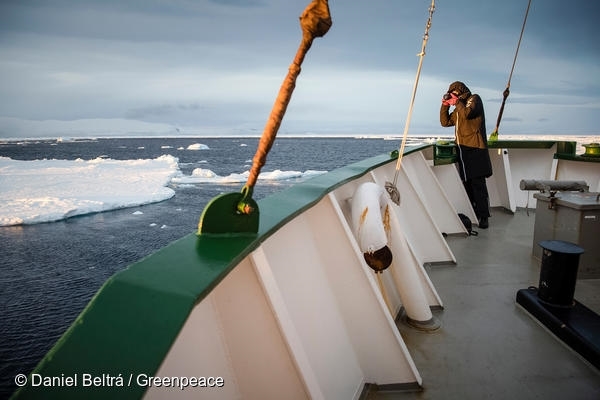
[{"x": 468, "y": 119}]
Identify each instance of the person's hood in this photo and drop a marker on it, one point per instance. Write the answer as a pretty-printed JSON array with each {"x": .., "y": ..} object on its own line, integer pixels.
[{"x": 461, "y": 88}]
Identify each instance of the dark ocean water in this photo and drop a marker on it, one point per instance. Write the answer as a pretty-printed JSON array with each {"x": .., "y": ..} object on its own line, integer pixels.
[{"x": 50, "y": 271}]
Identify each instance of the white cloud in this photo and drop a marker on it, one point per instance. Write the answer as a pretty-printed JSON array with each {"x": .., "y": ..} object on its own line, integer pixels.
[{"x": 220, "y": 64}]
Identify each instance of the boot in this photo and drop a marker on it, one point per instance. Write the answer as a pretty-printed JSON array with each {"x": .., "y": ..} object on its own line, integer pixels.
[{"x": 483, "y": 223}]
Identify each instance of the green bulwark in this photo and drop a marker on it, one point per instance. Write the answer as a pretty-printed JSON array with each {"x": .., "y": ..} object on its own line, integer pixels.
[{"x": 130, "y": 324}]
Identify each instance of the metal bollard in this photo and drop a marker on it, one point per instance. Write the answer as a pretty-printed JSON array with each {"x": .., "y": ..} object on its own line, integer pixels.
[{"x": 558, "y": 274}]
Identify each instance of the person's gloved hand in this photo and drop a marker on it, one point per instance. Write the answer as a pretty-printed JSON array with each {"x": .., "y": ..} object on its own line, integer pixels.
[
  {"x": 445, "y": 102},
  {"x": 452, "y": 100}
]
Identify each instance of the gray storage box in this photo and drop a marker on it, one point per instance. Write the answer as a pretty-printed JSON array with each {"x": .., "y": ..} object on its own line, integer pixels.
[{"x": 574, "y": 217}]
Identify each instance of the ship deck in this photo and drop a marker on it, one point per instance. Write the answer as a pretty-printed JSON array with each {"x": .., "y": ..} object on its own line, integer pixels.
[{"x": 488, "y": 346}]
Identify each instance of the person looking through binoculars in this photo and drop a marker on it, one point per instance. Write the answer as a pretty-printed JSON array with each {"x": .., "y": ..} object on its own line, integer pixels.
[{"x": 474, "y": 165}]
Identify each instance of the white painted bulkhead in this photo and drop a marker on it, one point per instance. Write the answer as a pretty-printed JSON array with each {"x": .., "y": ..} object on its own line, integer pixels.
[
  {"x": 304, "y": 321},
  {"x": 569, "y": 170},
  {"x": 233, "y": 334},
  {"x": 529, "y": 164},
  {"x": 447, "y": 176},
  {"x": 512, "y": 165},
  {"x": 500, "y": 184},
  {"x": 431, "y": 193}
]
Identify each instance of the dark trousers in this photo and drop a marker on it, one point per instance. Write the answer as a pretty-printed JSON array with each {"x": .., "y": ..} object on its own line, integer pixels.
[{"x": 478, "y": 194}]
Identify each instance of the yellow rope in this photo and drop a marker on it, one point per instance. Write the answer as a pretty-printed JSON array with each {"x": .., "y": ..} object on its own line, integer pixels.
[{"x": 414, "y": 92}]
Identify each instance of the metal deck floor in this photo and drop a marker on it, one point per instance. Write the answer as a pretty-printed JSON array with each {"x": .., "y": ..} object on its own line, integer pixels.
[{"x": 489, "y": 347}]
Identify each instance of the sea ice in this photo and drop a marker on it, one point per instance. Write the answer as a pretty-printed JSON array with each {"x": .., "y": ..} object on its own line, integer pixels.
[
  {"x": 203, "y": 175},
  {"x": 197, "y": 146},
  {"x": 50, "y": 190}
]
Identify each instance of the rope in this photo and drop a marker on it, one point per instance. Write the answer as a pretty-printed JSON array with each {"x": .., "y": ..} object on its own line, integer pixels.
[
  {"x": 507, "y": 90},
  {"x": 414, "y": 92},
  {"x": 519, "y": 44}
]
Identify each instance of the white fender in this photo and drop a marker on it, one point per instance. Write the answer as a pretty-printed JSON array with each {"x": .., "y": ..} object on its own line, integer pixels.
[
  {"x": 370, "y": 220},
  {"x": 369, "y": 207},
  {"x": 371, "y": 224}
]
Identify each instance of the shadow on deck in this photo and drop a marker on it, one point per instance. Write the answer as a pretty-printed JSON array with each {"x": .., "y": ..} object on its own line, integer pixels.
[{"x": 488, "y": 346}]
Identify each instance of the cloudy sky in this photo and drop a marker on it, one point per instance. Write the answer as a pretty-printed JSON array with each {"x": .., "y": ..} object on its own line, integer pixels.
[{"x": 215, "y": 66}]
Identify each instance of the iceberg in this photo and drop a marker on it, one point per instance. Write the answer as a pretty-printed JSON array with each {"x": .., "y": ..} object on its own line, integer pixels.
[{"x": 198, "y": 146}]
